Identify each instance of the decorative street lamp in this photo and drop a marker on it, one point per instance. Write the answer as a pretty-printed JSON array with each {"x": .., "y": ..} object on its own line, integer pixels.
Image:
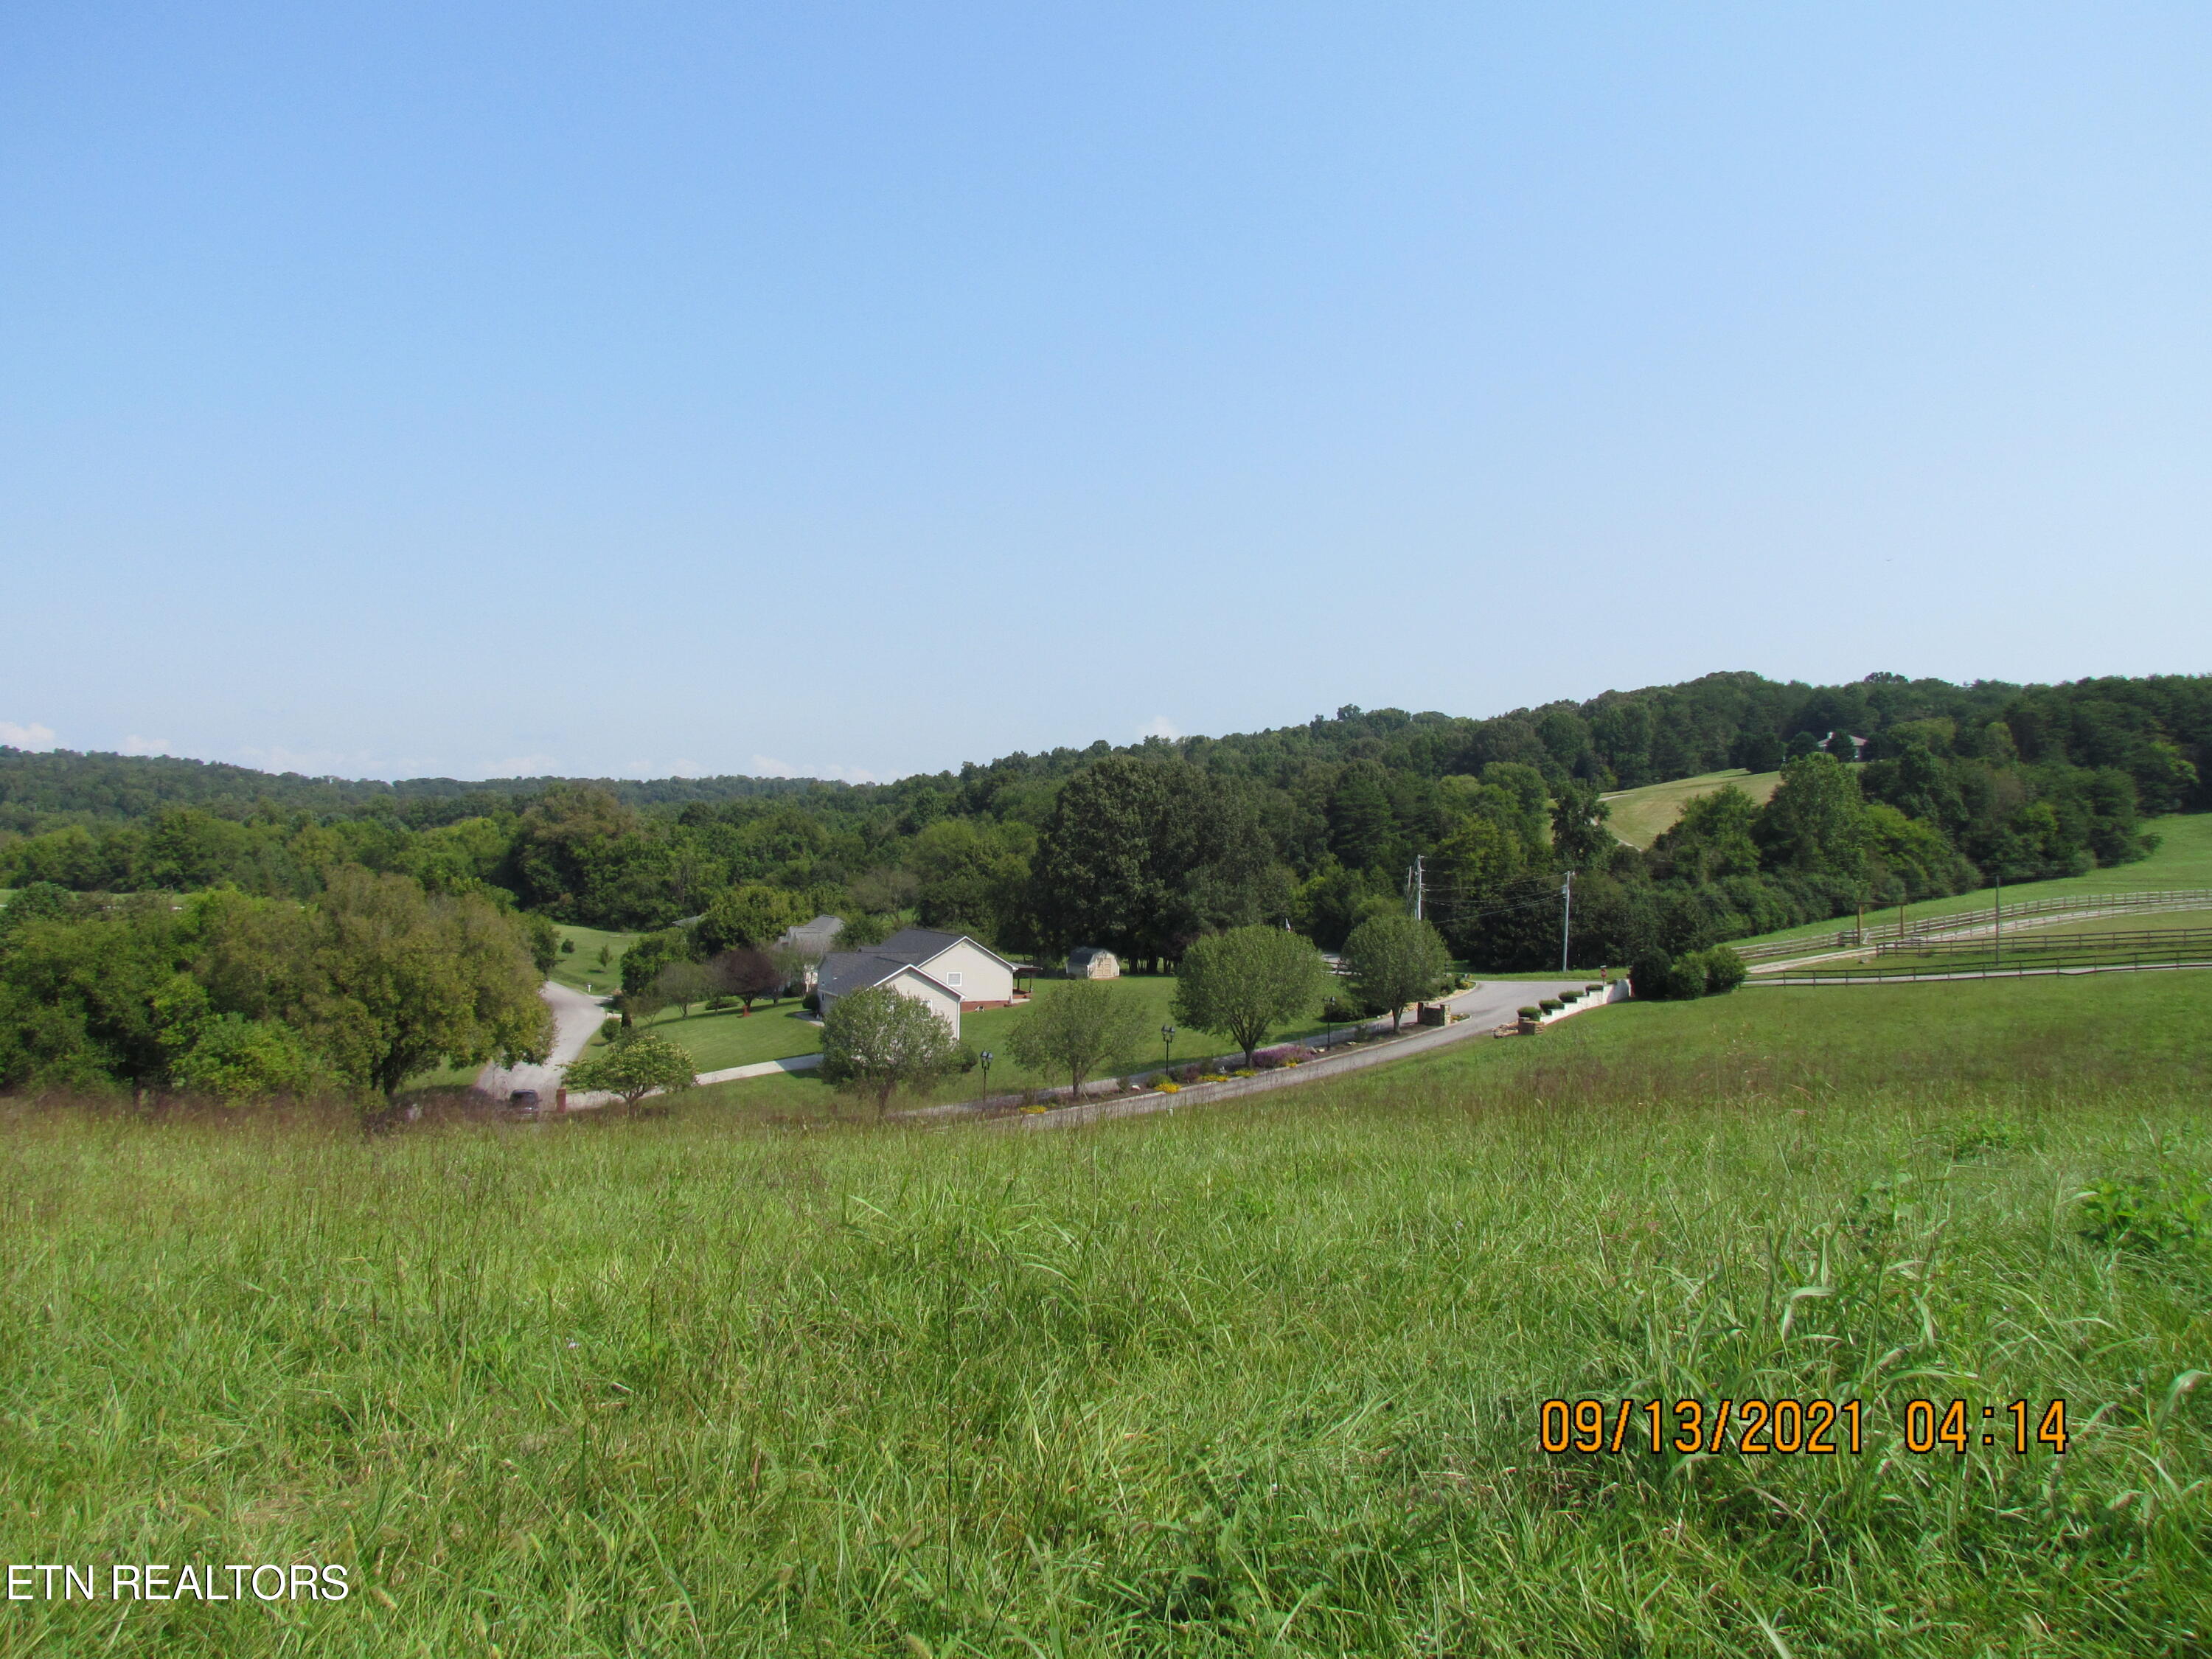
[
  {"x": 1166, "y": 1049},
  {"x": 988, "y": 1058}
]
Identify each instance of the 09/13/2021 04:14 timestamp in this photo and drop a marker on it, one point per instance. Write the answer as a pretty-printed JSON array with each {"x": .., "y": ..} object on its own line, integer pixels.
[{"x": 1815, "y": 1428}]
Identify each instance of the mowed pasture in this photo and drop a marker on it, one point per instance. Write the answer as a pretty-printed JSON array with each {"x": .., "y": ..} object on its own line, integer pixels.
[
  {"x": 2183, "y": 859},
  {"x": 1264, "y": 1378},
  {"x": 581, "y": 969},
  {"x": 1639, "y": 817}
]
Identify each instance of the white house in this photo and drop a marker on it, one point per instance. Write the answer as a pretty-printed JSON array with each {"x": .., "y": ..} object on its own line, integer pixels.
[{"x": 950, "y": 973}]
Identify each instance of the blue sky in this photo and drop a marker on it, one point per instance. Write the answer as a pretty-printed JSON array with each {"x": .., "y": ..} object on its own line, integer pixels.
[{"x": 854, "y": 390}]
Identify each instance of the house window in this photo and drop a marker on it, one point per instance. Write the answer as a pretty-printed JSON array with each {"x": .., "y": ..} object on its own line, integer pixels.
[{"x": 953, "y": 980}]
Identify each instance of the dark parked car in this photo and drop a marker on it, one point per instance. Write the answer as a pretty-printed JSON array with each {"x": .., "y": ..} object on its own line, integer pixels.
[{"x": 526, "y": 1099}]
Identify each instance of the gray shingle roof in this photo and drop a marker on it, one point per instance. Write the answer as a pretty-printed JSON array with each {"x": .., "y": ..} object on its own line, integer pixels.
[
  {"x": 917, "y": 944},
  {"x": 856, "y": 970}
]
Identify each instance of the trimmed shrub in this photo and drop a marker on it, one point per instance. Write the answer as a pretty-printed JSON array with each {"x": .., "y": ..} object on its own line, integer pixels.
[
  {"x": 1724, "y": 970},
  {"x": 1531, "y": 1012},
  {"x": 1551, "y": 1005}
]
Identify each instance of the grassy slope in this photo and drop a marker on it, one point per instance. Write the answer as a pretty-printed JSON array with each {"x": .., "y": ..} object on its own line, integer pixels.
[
  {"x": 1261, "y": 1379},
  {"x": 582, "y": 971},
  {"x": 2183, "y": 859},
  {"x": 1639, "y": 817}
]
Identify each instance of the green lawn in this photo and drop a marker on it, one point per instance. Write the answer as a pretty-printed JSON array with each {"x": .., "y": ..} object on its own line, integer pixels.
[
  {"x": 1259, "y": 1379},
  {"x": 1640, "y": 817},
  {"x": 582, "y": 971},
  {"x": 716, "y": 1041}
]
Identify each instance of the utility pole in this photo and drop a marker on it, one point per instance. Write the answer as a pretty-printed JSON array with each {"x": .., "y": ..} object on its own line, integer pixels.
[
  {"x": 1566, "y": 918},
  {"x": 1417, "y": 889},
  {"x": 1996, "y": 952}
]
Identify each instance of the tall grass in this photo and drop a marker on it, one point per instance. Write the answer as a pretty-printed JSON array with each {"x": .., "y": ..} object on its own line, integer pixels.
[{"x": 1258, "y": 1380}]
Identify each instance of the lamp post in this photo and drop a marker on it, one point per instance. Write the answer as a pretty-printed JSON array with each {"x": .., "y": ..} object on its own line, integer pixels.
[
  {"x": 1167, "y": 1050},
  {"x": 987, "y": 1057}
]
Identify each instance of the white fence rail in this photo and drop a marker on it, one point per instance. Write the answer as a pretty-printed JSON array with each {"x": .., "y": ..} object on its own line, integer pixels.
[{"x": 1967, "y": 921}]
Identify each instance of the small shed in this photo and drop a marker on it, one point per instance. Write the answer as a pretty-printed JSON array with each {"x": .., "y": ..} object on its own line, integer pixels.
[{"x": 1093, "y": 962}]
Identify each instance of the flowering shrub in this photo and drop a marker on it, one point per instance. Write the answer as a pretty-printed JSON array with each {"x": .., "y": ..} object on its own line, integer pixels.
[{"x": 1172, "y": 1088}]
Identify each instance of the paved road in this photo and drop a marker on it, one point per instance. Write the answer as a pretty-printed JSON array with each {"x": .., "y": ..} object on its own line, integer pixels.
[
  {"x": 575, "y": 1017},
  {"x": 1483, "y": 1009}
]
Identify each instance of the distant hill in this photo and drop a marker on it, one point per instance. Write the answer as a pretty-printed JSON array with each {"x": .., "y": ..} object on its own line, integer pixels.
[{"x": 63, "y": 783}]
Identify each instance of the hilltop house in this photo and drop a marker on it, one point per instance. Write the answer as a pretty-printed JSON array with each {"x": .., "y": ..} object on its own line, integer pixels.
[{"x": 949, "y": 973}]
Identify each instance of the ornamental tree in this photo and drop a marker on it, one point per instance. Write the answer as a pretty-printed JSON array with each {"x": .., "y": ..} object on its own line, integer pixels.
[
  {"x": 875, "y": 1042},
  {"x": 1396, "y": 960},
  {"x": 632, "y": 1066},
  {"x": 684, "y": 984},
  {"x": 1077, "y": 1028},
  {"x": 1243, "y": 983},
  {"x": 748, "y": 974}
]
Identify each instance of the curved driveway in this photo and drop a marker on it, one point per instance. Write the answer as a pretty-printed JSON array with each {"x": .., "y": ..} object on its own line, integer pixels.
[{"x": 575, "y": 1017}]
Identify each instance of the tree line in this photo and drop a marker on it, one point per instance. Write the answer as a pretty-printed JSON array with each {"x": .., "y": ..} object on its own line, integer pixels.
[
  {"x": 224, "y": 994},
  {"x": 1148, "y": 847}
]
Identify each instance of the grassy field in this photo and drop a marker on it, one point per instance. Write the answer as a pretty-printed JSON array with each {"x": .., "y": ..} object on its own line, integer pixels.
[
  {"x": 583, "y": 971},
  {"x": 2183, "y": 859},
  {"x": 1640, "y": 817},
  {"x": 1259, "y": 1379},
  {"x": 717, "y": 1040}
]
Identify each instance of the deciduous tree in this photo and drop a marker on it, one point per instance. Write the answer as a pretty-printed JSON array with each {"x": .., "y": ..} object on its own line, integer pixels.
[
  {"x": 1077, "y": 1028},
  {"x": 403, "y": 983},
  {"x": 634, "y": 1066},
  {"x": 1580, "y": 840},
  {"x": 753, "y": 914},
  {"x": 875, "y": 1042},
  {"x": 686, "y": 982},
  {"x": 748, "y": 974},
  {"x": 1396, "y": 960},
  {"x": 1243, "y": 983}
]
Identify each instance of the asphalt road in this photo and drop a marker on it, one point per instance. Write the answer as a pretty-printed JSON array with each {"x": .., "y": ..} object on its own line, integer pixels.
[{"x": 575, "y": 1017}]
